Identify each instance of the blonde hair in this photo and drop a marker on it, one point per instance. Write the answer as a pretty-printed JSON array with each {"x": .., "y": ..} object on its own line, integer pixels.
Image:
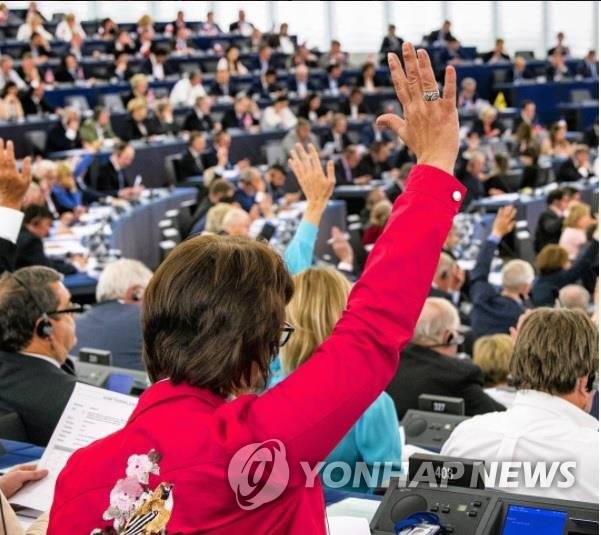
[
  {"x": 215, "y": 217},
  {"x": 380, "y": 213},
  {"x": 493, "y": 354},
  {"x": 554, "y": 349},
  {"x": 577, "y": 211},
  {"x": 320, "y": 296},
  {"x": 136, "y": 79},
  {"x": 445, "y": 265},
  {"x": 64, "y": 176},
  {"x": 136, "y": 104},
  {"x": 488, "y": 112}
]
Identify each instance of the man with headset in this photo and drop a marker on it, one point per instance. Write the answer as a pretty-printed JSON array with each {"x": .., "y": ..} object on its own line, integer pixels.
[
  {"x": 429, "y": 365},
  {"x": 37, "y": 331}
]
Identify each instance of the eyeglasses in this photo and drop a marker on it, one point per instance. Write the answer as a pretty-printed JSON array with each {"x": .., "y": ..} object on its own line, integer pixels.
[
  {"x": 287, "y": 331},
  {"x": 73, "y": 309}
]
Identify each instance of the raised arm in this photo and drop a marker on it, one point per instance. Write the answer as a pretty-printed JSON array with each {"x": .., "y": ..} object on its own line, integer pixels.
[
  {"x": 318, "y": 189},
  {"x": 315, "y": 406},
  {"x": 503, "y": 224}
]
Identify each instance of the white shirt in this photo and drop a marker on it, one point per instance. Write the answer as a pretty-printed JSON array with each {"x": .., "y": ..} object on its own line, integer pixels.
[
  {"x": 25, "y": 30},
  {"x": 223, "y": 65},
  {"x": 185, "y": 94},
  {"x": 286, "y": 45},
  {"x": 10, "y": 223},
  {"x": 42, "y": 357},
  {"x": 537, "y": 427},
  {"x": 13, "y": 76},
  {"x": 64, "y": 32},
  {"x": 272, "y": 119}
]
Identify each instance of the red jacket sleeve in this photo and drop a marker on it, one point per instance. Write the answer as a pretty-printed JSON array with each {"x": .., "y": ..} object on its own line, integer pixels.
[{"x": 315, "y": 406}]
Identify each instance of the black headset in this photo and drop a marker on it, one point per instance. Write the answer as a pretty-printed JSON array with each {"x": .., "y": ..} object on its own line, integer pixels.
[
  {"x": 44, "y": 328},
  {"x": 590, "y": 382},
  {"x": 452, "y": 339}
]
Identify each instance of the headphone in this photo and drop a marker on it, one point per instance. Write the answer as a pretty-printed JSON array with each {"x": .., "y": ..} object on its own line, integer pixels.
[
  {"x": 44, "y": 328},
  {"x": 452, "y": 339}
]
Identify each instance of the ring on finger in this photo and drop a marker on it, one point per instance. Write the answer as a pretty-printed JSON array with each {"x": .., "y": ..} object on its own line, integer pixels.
[{"x": 430, "y": 96}]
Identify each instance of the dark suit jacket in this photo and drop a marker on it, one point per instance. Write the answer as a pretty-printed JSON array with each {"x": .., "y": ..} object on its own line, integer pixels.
[
  {"x": 475, "y": 189},
  {"x": 105, "y": 179},
  {"x": 168, "y": 68},
  {"x": 115, "y": 327},
  {"x": 131, "y": 129},
  {"x": 345, "y": 108},
  {"x": 234, "y": 26},
  {"x": 188, "y": 166},
  {"x": 8, "y": 253},
  {"x": 193, "y": 122},
  {"x": 546, "y": 288},
  {"x": 312, "y": 85},
  {"x": 487, "y": 56},
  {"x": 216, "y": 90},
  {"x": 433, "y": 36},
  {"x": 527, "y": 74},
  {"x": 264, "y": 91},
  {"x": 568, "y": 172},
  {"x": 479, "y": 126},
  {"x": 30, "y": 252},
  {"x": 368, "y": 166},
  {"x": 64, "y": 76},
  {"x": 57, "y": 140},
  {"x": 329, "y": 138},
  {"x": 37, "y": 391},
  {"x": 423, "y": 371},
  {"x": 33, "y": 108},
  {"x": 492, "y": 312},
  {"x": 548, "y": 229},
  {"x": 585, "y": 70},
  {"x": 388, "y": 45},
  {"x": 230, "y": 120},
  {"x": 342, "y": 178}
]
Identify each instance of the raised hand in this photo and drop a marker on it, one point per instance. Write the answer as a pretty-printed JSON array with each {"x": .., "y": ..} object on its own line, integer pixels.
[
  {"x": 504, "y": 222},
  {"x": 13, "y": 184},
  {"x": 429, "y": 128},
  {"x": 315, "y": 184}
]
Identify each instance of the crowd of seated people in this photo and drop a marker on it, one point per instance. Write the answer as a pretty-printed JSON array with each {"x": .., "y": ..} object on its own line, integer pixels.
[{"x": 464, "y": 315}]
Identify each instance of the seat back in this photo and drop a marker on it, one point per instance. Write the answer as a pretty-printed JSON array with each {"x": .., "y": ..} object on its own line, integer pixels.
[
  {"x": 172, "y": 169},
  {"x": 11, "y": 427},
  {"x": 36, "y": 141},
  {"x": 79, "y": 102},
  {"x": 113, "y": 102}
]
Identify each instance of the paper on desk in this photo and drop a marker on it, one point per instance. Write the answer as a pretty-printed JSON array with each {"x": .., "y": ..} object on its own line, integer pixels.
[
  {"x": 91, "y": 413},
  {"x": 348, "y": 525}
]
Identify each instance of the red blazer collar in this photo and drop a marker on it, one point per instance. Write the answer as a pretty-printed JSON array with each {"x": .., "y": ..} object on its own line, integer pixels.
[{"x": 167, "y": 392}]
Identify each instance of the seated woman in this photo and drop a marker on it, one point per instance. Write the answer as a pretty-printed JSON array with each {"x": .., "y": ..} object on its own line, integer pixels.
[
  {"x": 487, "y": 125},
  {"x": 558, "y": 144},
  {"x": 320, "y": 296},
  {"x": 165, "y": 123},
  {"x": 65, "y": 194},
  {"x": 231, "y": 62},
  {"x": 213, "y": 319},
  {"x": 575, "y": 225},
  {"x": 368, "y": 80},
  {"x": 312, "y": 110},
  {"x": 139, "y": 125},
  {"x": 10, "y": 105},
  {"x": 556, "y": 271},
  {"x": 496, "y": 183},
  {"x": 492, "y": 354},
  {"x": 378, "y": 217}
]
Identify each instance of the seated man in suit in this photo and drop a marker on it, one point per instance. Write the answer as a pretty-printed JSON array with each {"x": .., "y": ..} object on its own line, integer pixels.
[
  {"x": 114, "y": 323},
  {"x": 429, "y": 365},
  {"x": 497, "y": 55},
  {"x": 550, "y": 222},
  {"x": 441, "y": 36},
  {"x": 336, "y": 139},
  {"x": 193, "y": 162},
  {"x": 110, "y": 178},
  {"x": 220, "y": 191},
  {"x": 301, "y": 134},
  {"x": 70, "y": 71},
  {"x": 266, "y": 86},
  {"x": 345, "y": 167},
  {"x": 37, "y": 332},
  {"x": 157, "y": 66},
  {"x": 300, "y": 84},
  {"x": 577, "y": 167},
  {"x": 375, "y": 162},
  {"x": 98, "y": 127},
  {"x": 264, "y": 60},
  {"x": 354, "y": 107},
  {"x": 199, "y": 119},
  {"x": 496, "y": 312},
  {"x": 65, "y": 134},
  {"x": 37, "y": 222},
  {"x": 527, "y": 115},
  {"x": 554, "y": 366},
  {"x": 557, "y": 69},
  {"x": 390, "y": 43},
  {"x": 473, "y": 178},
  {"x": 589, "y": 68},
  {"x": 520, "y": 71},
  {"x": 33, "y": 100},
  {"x": 241, "y": 116},
  {"x": 452, "y": 53},
  {"x": 222, "y": 85}
]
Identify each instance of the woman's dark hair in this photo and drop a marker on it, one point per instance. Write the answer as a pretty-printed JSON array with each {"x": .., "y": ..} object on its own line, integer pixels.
[
  {"x": 7, "y": 87},
  {"x": 213, "y": 313}
]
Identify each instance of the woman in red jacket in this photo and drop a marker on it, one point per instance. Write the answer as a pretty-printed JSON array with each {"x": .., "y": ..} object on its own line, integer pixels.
[{"x": 202, "y": 454}]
